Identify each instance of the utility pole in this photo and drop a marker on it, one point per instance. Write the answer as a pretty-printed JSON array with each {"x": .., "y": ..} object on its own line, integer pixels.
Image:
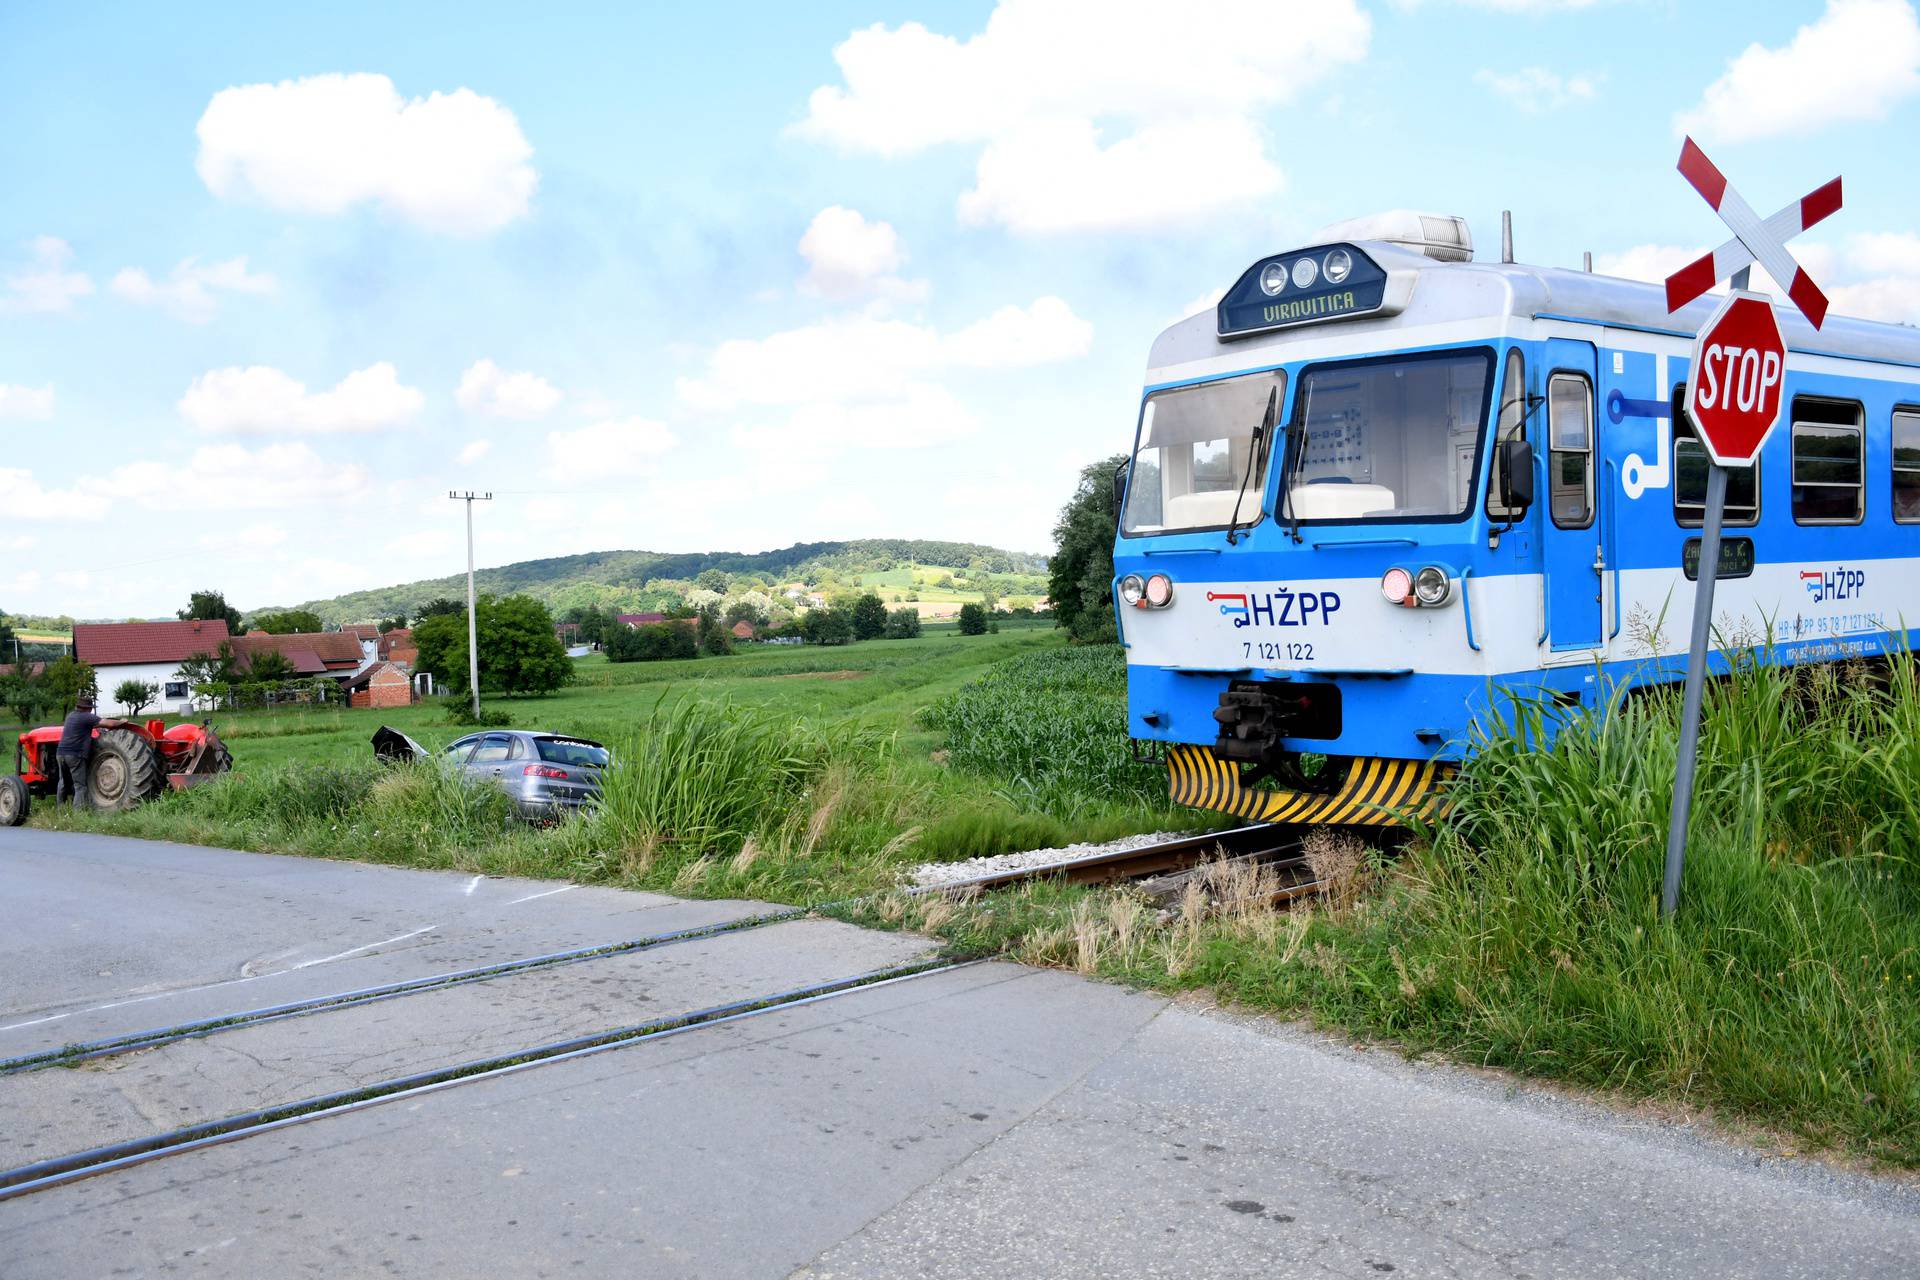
[{"x": 473, "y": 630}]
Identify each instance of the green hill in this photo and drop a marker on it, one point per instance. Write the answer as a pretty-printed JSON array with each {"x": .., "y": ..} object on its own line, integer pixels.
[{"x": 638, "y": 580}]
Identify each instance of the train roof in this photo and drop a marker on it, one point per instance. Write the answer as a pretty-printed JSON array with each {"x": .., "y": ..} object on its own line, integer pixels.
[{"x": 1451, "y": 292}]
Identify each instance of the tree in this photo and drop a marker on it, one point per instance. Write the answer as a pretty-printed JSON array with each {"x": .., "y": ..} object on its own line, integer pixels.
[
  {"x": 973, "y": 619},
  {"x": 24, "y": 693},
  {"x": 827, "y": 626},
  {"x": 210, "y": 606},
  {"x": 1080, "y": 575},
  {"x": 714, "y": 580},
  {"x": 135, "y": 695},
  {"x": 66, "y": 679},
  {"x": 869, "y": 617},
  {"x": 715, "y": 638},
  {"x": 439, "y": 607},
  {"x": 270, "y": 666},
  {"x": 208, "y": 668},
  {"x": 398, "y": 622},
  {"x": 903, "y": 624},
  {"x": 745, "y": 611},
  {"x": 6, "y": 638},
  {"x": 519, "y": 652},
  {"x": 652, "y": 643},
  {"x": 287, "y": 621}
]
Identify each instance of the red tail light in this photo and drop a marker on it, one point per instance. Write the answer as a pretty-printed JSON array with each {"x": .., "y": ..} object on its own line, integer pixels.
[{"x": 543, "y": 771}]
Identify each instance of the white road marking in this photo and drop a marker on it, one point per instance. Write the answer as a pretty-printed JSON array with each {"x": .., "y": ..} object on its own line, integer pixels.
[
  {"x": 544, "y": 893},
  {"x": 210, "y": 986},
  {"x": 474, "y": 884},
  {"x": 342, "y": 955}
]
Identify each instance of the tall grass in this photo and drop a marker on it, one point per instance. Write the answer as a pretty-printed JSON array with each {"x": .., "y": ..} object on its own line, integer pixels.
[{"x": 1526, "y": 931}]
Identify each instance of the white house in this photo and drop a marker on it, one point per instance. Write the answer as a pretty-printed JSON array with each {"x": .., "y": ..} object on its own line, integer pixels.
[{"x": 150, "y": 652}]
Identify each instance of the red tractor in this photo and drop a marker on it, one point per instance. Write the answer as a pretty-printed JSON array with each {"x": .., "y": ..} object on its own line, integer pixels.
[{"x": 133, "y": 761}]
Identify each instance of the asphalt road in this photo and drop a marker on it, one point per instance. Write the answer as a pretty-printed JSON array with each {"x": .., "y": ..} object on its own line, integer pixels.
[{"x": 986, "y": 1121}]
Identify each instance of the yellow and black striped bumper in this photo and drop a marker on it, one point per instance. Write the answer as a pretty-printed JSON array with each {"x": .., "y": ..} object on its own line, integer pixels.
[{"x": 1375, "y": 793}]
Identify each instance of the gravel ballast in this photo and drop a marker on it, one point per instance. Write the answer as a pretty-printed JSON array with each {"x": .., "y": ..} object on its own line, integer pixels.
[{"x": 937, "y": 873}]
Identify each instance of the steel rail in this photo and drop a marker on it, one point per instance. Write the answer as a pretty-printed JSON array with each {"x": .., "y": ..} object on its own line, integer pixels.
[
  {"x": 73, "y": 1054},
  {"x": 1128, "y": 864},
  {"x": 46, "y": 1174}
]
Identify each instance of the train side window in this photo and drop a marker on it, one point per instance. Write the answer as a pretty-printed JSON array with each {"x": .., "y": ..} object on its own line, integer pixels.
[
  {"x": 1690, "y": 476},
  {"x": 1570, "y": 450},
  {"x": 1829, "y": 486},
  {"x": 1510, "y": 425},
  {"x": 1906, "y": 466}
]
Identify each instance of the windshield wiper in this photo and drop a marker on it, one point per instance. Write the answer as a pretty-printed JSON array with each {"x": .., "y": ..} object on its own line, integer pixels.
[
  {"x": 1253, "y": 454},
  {"x": 1290, "y": 460}
]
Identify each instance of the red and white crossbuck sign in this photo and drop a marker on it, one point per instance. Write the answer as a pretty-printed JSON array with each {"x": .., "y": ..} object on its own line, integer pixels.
[{"x": 1754, "y": 240}]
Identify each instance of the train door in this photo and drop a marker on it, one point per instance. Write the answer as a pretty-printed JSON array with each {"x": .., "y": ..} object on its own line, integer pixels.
[{"x": 1573, "y": 563}]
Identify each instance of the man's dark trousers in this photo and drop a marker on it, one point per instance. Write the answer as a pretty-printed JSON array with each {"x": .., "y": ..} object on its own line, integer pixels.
[{"x": 70, "y": 781}]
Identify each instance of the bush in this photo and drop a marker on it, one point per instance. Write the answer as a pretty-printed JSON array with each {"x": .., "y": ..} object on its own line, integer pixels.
[
  {"x": 135, "y": 695},
  {"x": 973, "y": 620},
  {"x": 903, "y": 624},
  {"x": 652, "y": 643}
]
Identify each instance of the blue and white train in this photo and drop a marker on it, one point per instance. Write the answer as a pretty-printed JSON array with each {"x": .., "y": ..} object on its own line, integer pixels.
[{"x": 1381, "y": 482}]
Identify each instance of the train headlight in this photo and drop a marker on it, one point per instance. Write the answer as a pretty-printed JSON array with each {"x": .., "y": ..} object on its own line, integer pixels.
[
  {"x": 1338, "y": 265},
  {"x": 1159, "y": 591},
  {"x": 1273, "y": 279},
  {"x": 1396, "y": 585},
  {"x": 1132, "y": 589},
  {"x": 1305, "y": 272},
  {"x": 1431, "y": 586}
]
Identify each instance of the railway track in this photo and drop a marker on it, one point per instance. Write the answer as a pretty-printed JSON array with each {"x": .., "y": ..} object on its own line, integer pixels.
[{"x": 1162, "y": 867}]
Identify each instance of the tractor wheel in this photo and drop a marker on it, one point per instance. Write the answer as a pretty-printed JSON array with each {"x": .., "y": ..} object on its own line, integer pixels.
[
  {"x": 125, "y": 770},
  {"x": 13, "y": 801}
]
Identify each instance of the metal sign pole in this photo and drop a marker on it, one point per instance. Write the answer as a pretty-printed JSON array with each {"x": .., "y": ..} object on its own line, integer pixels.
[{"x": 1704, "y": 578}]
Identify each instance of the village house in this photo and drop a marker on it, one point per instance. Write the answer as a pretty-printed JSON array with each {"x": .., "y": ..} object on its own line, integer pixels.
[
  {"x": 312, "y": 653},
  {"x": 150, "y": 652},
  {"x": 380, "y": 685}
]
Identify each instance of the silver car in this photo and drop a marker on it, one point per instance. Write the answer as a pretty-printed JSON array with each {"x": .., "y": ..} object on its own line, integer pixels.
[{"x": 548, "y": 775}]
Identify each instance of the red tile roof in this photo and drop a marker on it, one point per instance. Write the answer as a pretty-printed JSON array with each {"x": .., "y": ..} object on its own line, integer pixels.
[
  {"x": 118, "y": 644},
  {"x": 399, "y": 637},
  {"x": 311, "y": 652},
  {"x": 361, "y": 630},
  {"x": 639, "y": 619}
]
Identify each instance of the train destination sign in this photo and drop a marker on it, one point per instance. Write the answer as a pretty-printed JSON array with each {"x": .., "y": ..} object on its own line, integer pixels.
[{"x": 1331, "y": 282}]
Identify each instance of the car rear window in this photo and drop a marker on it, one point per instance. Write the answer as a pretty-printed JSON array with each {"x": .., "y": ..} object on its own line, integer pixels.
[{"x": 572, "y": 751}]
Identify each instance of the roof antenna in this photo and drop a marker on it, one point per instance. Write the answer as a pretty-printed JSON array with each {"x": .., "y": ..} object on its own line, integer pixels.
[
  {"x": 1506, "y": 235},
  {"x": 1586, "y": 262}
]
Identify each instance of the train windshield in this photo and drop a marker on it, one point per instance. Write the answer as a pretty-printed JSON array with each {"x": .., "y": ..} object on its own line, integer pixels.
[
  {"x": 1202, "y": 458},
  {"x": 1390, "y": 439}
]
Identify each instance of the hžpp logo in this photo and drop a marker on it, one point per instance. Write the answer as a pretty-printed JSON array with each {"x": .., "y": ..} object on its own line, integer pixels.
[
  {"x": 1833, "y": 584},
  {"x": 1282, "y": 608}
]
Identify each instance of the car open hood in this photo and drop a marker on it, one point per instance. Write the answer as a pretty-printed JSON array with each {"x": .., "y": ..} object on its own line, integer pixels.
[{"x": 391, "y": 744}]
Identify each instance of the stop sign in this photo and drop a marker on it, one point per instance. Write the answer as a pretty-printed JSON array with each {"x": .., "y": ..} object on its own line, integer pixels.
[{"x": 1734, "y": 390}]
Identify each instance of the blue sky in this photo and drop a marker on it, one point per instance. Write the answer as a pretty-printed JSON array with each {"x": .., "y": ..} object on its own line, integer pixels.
[{"x": 697, "y": 277}]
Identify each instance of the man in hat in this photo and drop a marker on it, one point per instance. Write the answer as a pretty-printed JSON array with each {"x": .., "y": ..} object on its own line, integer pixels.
[{"x": 74, "y": 753}]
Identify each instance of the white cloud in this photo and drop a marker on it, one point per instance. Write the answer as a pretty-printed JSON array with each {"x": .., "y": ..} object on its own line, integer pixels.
[
  {"x": 227, "y": 478},
  {"x": 475, "y": 451},
  {"x": 26, "y": 402},
  {"x": 45, "y": 284},
  {"x": 1534, "y": 89},
  {"x": 1059, "y": 175},
  {"x": 22, "y": 498},
  {"x": 848, "y": 256},
  {"x": 425, "y": 542},
  {"x": 1873, "y": 276},
  {"x": 19, "y": 542},
  {"x": 868, "y": 357},
  {"x": 488, "y": 389},
  {"x": 1080, "y": 106},
  {"x": 188, "y": 291},
  {"x": 1852, "y": 63},
  {"x": 619, "y": 448},
  {"x": 262, "y": 400},
  {"x": 450, "y": 162}
]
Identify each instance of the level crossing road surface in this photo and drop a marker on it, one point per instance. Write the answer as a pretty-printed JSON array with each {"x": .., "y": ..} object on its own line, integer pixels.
[{"x": 990, "y": 1120}]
